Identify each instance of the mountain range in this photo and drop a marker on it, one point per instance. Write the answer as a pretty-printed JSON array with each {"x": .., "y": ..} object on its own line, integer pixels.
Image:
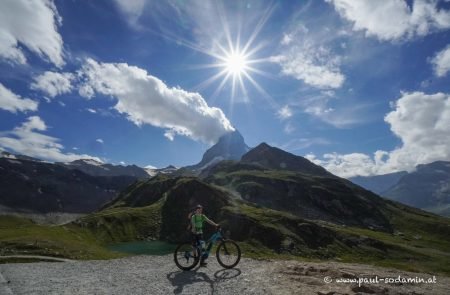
[
  {"x": 267, "y": 199},
  {"x": 427, "y": 187},
  {"x": 28, "y": 185}
]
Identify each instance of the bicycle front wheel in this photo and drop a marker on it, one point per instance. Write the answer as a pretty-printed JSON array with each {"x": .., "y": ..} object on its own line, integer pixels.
[
  {"x": 228, "y": 254},
  {"x": 186, "y": 256}
]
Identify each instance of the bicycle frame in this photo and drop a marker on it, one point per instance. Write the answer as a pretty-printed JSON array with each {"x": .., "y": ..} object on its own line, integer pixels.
[{"x": 217, "y": 236}]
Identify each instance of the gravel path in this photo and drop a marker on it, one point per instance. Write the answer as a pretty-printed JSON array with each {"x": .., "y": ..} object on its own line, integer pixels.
[{"x": 159, "y": 275}]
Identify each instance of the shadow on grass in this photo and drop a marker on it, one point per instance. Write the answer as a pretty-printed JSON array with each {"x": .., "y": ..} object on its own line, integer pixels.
[{"x": 180, "y": 279}]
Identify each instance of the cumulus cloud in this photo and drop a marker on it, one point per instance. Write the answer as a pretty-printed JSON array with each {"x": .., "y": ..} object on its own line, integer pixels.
[
  {"x": 393, "y": 19},
  {"x": 145, "y": 99},
  {"x": 99, "y": 140},
  {"x": 441, "y": 62},
  {"x": 12, "y": 102},
  {"x": 34, "y": 24},
  {"x": 26, "y": 139},
  {"x": 304, "y": 59},
  {"x": 421, "y": 122},
  {"x": 53, "y": 83}
]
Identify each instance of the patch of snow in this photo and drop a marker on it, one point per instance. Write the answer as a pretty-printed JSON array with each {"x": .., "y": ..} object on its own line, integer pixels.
[
  {"x": 14, "y": 161},
  {"x": 150, "y": 172},
  {"x": 92, "y": 162},
  {"x": 8, "y": 155}
]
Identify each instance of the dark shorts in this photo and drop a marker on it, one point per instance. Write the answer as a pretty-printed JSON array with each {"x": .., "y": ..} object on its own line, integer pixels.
[{"x": 196, "y": 238}]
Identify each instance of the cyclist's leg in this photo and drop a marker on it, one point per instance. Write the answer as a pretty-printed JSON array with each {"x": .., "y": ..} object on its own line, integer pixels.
[{"x": 203, "y": 257}]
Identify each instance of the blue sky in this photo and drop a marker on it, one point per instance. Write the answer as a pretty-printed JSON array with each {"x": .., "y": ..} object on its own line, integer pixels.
[{"x": 359, "y": 87}]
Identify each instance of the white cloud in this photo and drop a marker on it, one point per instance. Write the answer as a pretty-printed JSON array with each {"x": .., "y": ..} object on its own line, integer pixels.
[
  {"x": 91, "y": 110},
  {"x": 34, "y": 24},
  {"x": 347, "y": 165},
  {"x": 344, "y": 116},
  {"x": 420, "y": 120},
  {"x": 441, "y": 62},
  {"x": 303, "y": 143},
  {"x": 86, "y": 91},
  {"x": 26, "y": 140},
  {"x": 12, "y": 102},
  {"x": 122, "y": 163},
  {"x": 147, "y": 100},
  {"x": 285, "y": 112},
  {"x": 289, "y": 128},
  {"x": 99, "y": 140},
  {"x": 306, "y": 59},
  {"x": 131, "y": 10},
  {"x": 393, "y": 19},
  {"x": 53, "y": 83}
]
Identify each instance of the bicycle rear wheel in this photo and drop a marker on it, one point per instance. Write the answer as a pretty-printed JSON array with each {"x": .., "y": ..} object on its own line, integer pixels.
[
  {"x": 186, "y": 257},
  {"x": 228, "y": 253}
]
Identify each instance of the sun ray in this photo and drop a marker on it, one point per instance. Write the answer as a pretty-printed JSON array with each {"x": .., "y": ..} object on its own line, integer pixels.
[
  {"x": 219, "y": 89},
  {"x": 258, "y": 27},
  {"x": 210, "y": 80},
  {"x": 262, "y": 91}
]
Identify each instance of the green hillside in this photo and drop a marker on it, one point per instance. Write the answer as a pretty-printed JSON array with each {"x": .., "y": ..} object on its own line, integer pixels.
[
  {"x": 417, "y": 240},
  {"x": 22, "y": 236}
]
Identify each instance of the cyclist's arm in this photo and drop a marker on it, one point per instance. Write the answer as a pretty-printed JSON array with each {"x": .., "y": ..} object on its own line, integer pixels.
[{"x": 210, "y": 221}]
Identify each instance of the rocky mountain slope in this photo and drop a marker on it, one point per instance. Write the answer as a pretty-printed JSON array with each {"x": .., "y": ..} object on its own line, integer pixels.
[
  {"x": 95, "y": 168},
  {"x": 276, "y": 179},
  {"x": 428, "y": 187},
  {"x": 230, "y": 146},
  {"x": 34, "y": 186},
  {"x": 378, "y": 183}
]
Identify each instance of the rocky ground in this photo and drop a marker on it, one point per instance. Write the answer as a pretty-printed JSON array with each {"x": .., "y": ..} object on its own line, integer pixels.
[{"x": 159, "y": 275}]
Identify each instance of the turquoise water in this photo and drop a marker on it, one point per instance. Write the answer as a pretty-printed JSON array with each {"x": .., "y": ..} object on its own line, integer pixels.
[{"x": 144, "y": 247}]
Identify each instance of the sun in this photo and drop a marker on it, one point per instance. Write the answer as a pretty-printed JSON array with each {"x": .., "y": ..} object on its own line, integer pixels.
[{"x": 236, "y": 63}]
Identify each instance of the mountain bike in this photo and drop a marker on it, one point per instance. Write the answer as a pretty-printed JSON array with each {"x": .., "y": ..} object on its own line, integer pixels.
[{"x": 228, "y": 253}]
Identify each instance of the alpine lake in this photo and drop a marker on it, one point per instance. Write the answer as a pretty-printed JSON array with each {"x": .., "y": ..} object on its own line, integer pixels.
[{"x": 144, "y": 247}]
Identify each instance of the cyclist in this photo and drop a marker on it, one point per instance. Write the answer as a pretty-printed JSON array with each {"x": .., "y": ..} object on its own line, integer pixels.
[{"x": 197, "y": 220}]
